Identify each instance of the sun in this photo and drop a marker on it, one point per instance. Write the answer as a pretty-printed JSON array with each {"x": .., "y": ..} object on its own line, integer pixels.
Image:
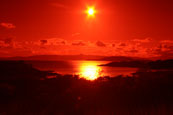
[
  {"x": 89, "y": 71},
  {"x": 91, "y": 11}
]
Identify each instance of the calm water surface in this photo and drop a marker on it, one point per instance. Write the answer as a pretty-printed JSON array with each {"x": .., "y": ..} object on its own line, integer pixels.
[{"x": 87, "y": 69}]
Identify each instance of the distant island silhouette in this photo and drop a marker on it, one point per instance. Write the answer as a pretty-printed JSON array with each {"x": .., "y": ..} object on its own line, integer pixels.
[
  {"x": 73, "y": 57},
  {"x": 158, "y": 64}
]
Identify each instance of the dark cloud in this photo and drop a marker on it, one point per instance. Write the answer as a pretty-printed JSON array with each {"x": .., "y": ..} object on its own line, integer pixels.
[
  {"x": 53, "y": 41},
  {"x": 7, "y": 40},
  {"x": 43, "y": 42},
  {"x": 100, "y": 44},
  {"x": 122, "y": 44},
  {"x": 113, "y": 45},
  {"x": 6, "y": 43},
  {"x": 79, "y": 43},
  {"x": 63, "y": 42}
]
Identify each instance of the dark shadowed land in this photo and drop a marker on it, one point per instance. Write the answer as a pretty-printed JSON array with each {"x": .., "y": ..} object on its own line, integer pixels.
[{"x": 28, "y": 91}]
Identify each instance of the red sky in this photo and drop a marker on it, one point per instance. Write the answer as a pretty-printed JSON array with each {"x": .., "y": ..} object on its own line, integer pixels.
[{"x": 121, "y": 27}]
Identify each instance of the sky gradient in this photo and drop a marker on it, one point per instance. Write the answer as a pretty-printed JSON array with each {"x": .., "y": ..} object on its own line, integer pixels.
[{"x": 141, "y": 28}]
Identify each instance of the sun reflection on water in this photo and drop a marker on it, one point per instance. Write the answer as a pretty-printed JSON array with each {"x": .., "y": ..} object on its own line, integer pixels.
[{"x": 90, "y": 71}]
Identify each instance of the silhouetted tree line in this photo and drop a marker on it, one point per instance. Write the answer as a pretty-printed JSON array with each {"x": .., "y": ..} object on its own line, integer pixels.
[{"x": 25, "y": 90}]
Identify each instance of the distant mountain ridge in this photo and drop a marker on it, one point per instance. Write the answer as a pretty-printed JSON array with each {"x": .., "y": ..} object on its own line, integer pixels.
[{"x": 73, "y": 57}]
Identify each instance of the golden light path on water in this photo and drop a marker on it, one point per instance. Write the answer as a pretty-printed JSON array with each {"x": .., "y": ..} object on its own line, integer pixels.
[{"x": 90, "y": 70}]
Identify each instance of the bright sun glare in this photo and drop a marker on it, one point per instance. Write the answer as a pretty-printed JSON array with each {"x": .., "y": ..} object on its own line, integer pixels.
[
  {"x": 91, "y": 11},
  {"x": 90, "y": 71}
]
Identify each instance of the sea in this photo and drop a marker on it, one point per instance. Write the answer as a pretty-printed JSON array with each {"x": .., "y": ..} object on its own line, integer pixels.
[{"x": 82, "y": 68}]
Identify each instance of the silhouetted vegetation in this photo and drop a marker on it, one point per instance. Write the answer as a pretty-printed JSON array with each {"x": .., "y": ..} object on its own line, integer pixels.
[{"x": 28, "y": 91}]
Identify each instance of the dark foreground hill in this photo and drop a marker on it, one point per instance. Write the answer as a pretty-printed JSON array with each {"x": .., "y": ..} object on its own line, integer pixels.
[{"x": 27, "y": 91}]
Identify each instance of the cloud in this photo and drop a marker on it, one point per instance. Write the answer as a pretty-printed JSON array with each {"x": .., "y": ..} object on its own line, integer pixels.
[
  {"x": 113, "y": 45},
  {"x": 53, "y": 41},
  {"x": 8, "y": 25},
  {"x": 59, "y": 46},
  {"x": 146, "y": 40},
  {"x": 167, "y": 41},
  {"x": 75, "y": 34},
  {"x": 122, "y": 44},
  {"x": 78, "y": 43},
  {"x": 100, "y": 44},
  {"x": 163, "y": 51},
  {"x": 133, "y": 51},
  {"x": 7, "y": 40},
  {"x": 59, "y": 5},
  {"x": 43, "y": 42}
]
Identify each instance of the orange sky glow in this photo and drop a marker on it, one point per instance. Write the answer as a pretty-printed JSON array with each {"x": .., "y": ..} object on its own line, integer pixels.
[{"x": 100, "y": 27}]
